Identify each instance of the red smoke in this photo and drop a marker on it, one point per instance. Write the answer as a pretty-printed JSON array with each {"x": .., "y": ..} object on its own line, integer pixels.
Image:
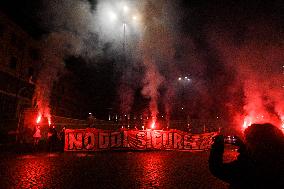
[
  {"x": 152, "y": 81},
  {"x": 258, "y": 66},
  {"x": 157, "y": 47},
  {"x": 54, "y": 48}
]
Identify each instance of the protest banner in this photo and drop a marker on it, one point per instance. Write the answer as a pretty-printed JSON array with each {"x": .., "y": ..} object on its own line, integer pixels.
[{"x": 92, "y": 139}]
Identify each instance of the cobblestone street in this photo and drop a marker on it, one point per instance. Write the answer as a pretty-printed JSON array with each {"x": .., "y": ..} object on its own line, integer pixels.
[{"x": 163, "y": 169}]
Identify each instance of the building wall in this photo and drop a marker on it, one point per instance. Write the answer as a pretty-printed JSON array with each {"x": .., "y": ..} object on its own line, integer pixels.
[
  {"x": 19, "y": 52},
  {"x": 19, "y": 60}
]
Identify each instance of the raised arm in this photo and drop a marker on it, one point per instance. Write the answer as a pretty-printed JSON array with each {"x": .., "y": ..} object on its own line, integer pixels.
[{"x": 228, "y": 172}]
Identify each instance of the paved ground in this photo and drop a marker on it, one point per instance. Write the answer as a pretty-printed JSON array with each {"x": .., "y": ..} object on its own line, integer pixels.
[{"x": 163, "y": 169}]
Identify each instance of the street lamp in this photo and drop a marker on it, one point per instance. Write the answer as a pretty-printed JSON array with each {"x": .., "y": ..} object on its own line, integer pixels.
[
  {"x": 123, "y": 14},
  {"x": 184, "y": 80},
  {"x": 112, "y": 16},
  {"x": 124, "y": 38},
  {"x": 125, "y": 8}
]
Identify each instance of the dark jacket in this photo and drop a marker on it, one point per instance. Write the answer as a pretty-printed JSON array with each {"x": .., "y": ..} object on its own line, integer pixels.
[{"x": 245, "y": 172}]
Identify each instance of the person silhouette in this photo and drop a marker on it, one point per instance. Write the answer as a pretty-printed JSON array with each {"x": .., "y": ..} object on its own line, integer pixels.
[
  {"x": 260, "y": 163},
  {"x": 62, "y": 138},
  {"x": 37, "y": 135}
]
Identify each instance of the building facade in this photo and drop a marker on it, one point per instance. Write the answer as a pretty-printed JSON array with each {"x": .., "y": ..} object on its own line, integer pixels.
[{"x": 19, "y": 61}]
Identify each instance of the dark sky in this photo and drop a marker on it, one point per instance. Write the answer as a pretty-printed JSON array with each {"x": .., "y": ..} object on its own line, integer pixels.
[{"x": 24, "y": 13}]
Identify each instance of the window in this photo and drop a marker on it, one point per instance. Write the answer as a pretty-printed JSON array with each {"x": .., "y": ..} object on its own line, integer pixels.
[
  {"x": 20, "y": 44},
  {"x": 13, "y": 63},
  {"x": 13, "y": 38},
  {"x": 30, "y": 71},
  {"x": 1, "y": 29},
  {"x": 62, "y": 89},
  {"x": 34, "y": 53}
]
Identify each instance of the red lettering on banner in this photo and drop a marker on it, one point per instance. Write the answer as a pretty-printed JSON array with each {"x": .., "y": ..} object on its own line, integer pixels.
[
  {"x": 186, "y": 142},
  {"x": 141, "y": 137},
  {"x": 91, "y": 139},
  {"x": 125, "y": 139},
  {"x": 157, "y": 139},
  {"x": 178, "y": 141},
  {"x": 103, "y": 140},
  {"x": 168, "y": 140},
  {"x": 115, "y": 139},
  {"x": 75, "y": 141},
  {"x": 193, "y": 142},
  {"x": 206, "y": 141},
  {"x": 149, "y": 140}
]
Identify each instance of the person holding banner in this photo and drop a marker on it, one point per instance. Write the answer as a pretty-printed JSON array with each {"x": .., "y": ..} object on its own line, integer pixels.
[
  {"x": 62, "y": 138},
  {"x": 52, "y": 138},
  {"x": 260, "y": 163},
  {"x": 49, "y": 134}
]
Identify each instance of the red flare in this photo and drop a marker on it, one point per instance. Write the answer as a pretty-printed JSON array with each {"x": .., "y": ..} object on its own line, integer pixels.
[
  {"x": 38, "y": 118},
  {"x": 49, "y": 121},
  {"x": 153, "y": 124},
  {"x": 247, "y": 122}
]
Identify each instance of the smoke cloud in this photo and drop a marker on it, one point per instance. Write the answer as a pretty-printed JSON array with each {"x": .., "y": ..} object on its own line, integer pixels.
[
  {"x": 235, "y": 74},
  {"x": 84, "y": 30},
  {"x": 257, "y": 62},
  {"x": 54, "y": 48}
]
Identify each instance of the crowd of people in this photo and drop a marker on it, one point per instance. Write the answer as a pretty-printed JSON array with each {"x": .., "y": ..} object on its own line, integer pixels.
[{"x": 55, "y": 140}]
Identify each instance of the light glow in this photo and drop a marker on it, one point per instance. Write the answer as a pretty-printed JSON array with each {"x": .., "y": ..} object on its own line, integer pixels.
[
  {"x": 153, "y": 124},
  {"x": 48, "y": 116},
  {"x": 49, "y": 120},
  {"x": 282, "y": 123},
  {"x": 247, "y": 122},
  {"x": 112, "y": 16},
  {"x": 125, "y": 9},
  {"x": 38, "y": 119}
]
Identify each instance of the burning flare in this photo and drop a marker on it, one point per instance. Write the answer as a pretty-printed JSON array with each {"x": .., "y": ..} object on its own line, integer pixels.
[
  {"x": 38, "y": 119},
  {"x": 247, "y": 122},
  {"x": 153, "y": 124},
  {"x": 282, "y": 123},
  {"x": 263, "y": 118},
  {"x": 49, "y": 120}
]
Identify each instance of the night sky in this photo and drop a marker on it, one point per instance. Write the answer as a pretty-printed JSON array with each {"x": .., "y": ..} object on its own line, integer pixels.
[{"x": 228, "y": 49}]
